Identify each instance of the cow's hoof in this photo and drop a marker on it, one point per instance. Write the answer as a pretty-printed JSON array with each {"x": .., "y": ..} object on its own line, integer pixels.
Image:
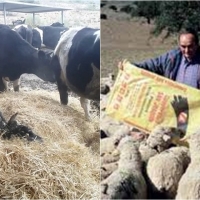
[{"x": 64, "y": 102}]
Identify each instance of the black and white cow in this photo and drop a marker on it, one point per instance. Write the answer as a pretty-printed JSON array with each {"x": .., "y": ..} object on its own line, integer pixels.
[
  {"x": 17, "y": 57},
  {"x": 37, "y": 40},
  {"x": 51, "y": 35},
  {"x": 32, "y": 35},
  {"x": 25, "y": 31},
  {"x": 76, "y": 63}
]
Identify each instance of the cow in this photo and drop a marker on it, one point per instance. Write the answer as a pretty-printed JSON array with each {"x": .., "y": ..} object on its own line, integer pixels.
[
  {"x": 57, "y": 24},
  {"x": 37, "y": 40},
  {"x": 17, "y": 57},
  {"x": 25, "y": 31},
  {"x": 76, "y": 62},
  {"x": 32, "y": 35},
  {"x": 51, "y": 35}
]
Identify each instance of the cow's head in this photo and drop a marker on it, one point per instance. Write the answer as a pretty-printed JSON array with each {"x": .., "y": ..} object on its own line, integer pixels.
[{"x": 44, "y": 71}]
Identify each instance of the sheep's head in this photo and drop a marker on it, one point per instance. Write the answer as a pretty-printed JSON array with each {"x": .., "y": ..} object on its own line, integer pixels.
[{"x": 162, "y": 137}]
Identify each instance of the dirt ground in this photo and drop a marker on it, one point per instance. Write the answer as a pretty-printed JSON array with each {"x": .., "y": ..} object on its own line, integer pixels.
[{"x": 123, "y": 37}]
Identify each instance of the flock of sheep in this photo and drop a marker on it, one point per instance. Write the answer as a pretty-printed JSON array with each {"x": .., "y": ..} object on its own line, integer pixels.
[{"x": 135, "y": 165}]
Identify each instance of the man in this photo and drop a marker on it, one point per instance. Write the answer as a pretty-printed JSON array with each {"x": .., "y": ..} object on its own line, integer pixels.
[{"x": 181, "y": 64}]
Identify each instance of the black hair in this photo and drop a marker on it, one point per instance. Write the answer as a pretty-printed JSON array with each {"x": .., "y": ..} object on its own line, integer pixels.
[{"x": 190, "y": 31}]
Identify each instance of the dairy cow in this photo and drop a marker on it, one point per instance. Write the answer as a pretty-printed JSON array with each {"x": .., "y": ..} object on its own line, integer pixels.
[
  {"x": 76, "y": 63},
  {"x": 25, "y": 31},
  {"x": 17, "y": 57},
  {"x": 32, "y": 35},
  {"x": 37, "y": 40},
  {"x": 51, "y": 35}
]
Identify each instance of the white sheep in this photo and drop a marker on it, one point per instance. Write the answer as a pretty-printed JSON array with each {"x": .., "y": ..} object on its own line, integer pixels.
[
  {"x": 108, "y": 169},
  {"x": 110, "y": 126},
  {"x": 164, "y": 170},
  {"x": 127, "y": 182},
  {"x": 160, "y": 139},
  {"x": 189, "y": 185},
  {"x": 110, "y": 157},
  {"x": 109, "y": 144}
]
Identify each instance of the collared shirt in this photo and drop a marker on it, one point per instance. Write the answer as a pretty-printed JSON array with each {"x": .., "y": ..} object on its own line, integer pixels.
[{"x": 189, "y": 72}]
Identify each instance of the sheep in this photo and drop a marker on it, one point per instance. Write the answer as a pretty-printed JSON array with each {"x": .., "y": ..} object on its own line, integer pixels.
[
  {"x": 189, "y": 184},
  {"x": 108, "y": 169},
  {"x": 109, "y": 125},
  {"x": 110, "y": 157},
  {"x": 164, "y": 170},
  {"x": 127, "y": 182},
  {"x": 160, "y": 139},
  {"x": 109, "y": 144}
]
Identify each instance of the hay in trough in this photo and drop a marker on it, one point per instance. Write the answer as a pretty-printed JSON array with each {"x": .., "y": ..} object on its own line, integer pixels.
[{"x": 66, "y": 165}]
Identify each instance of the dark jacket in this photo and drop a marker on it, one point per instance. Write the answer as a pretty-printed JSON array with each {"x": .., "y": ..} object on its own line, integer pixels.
[{"x": 165, "y": 65}]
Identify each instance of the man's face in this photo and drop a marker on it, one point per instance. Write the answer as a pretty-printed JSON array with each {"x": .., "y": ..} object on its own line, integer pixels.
[{"x": 187, "y": 45}]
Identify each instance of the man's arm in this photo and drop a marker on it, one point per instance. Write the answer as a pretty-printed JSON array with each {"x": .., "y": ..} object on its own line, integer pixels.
[{"x": 157, "y": 65}]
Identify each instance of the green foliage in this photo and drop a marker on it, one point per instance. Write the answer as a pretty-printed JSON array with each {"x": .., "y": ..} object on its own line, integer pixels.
[
  {"x": 171, "y": 16},
  {"x": 176, "y": 15},
  {"x": 147, "y": 9}
]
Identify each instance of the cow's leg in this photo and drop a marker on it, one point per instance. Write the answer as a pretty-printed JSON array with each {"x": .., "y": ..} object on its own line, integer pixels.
[
  {"x": 3, "y": 85},
  {"x": 16, "y": 85},
  {"x": 62, "y": 88},
  {"x": 85, "y": 105}
]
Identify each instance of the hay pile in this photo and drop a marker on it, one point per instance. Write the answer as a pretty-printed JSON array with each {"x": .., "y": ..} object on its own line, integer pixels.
[{"x": 66, "y": 165}]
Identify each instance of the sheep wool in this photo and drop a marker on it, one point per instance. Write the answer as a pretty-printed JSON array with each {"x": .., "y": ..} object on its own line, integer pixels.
[
  {"x": 189, "y": 185},
  {"x": 162, "y": 137},
  {"x": 164, "y": 170},
  {"x": 108, "y": 169},
  {"x": 127, "y": 182}
]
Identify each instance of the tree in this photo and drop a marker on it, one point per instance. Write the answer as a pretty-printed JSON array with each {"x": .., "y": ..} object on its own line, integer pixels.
[
  {"x": 176, "y": 15},
  {"x": 147, "y": 9},
  {"x": 171, "y": 16}
]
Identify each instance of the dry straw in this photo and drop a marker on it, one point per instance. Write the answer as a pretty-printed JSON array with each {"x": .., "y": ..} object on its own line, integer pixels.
[{"x": 65, "y": 166}]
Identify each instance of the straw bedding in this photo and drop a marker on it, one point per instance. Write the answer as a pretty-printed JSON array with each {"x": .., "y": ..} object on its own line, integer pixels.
[{"x": 66, "y": 165}]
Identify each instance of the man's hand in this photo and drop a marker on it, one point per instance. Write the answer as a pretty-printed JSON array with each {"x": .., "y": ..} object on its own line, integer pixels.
[
  {"x": 181, "y": 109},
  {"x": 121, "y": 64},
  {"x": 180, "y": 104}
]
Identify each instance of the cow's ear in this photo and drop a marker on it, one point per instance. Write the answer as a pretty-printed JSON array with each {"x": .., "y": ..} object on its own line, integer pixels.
[{"x": 41, "y": 54}]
